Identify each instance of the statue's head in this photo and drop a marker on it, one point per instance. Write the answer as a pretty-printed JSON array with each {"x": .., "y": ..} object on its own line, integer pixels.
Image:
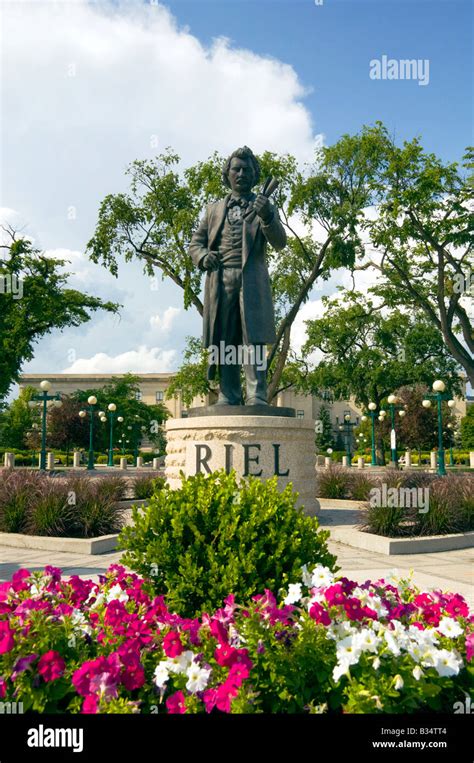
[{"x": 241, "y": 171}]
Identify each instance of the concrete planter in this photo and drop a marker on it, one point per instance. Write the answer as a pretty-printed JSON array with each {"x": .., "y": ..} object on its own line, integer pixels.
[
  {"x": 350, "y": 536},
  {"x": 83, "y": 546}
]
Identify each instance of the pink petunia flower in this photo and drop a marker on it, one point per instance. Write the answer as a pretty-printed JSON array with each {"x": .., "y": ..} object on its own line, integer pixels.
[
  {"x": 319, "y": 614},
  {"x": 90, "y": 705},
  {"x": 172, "y": 645},
  {"x": 175, "y": 704},
  {"x": 7, "y": 641},
  {"x": 3, "y": 687},
  {"x": 51, "y": 666},
  {"x": 470, "y": 647}
]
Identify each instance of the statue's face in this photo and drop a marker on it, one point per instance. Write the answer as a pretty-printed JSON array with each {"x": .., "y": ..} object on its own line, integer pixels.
[{"x": 241, "y": 175}]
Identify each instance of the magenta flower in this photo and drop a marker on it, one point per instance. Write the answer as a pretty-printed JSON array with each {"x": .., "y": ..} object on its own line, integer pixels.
[
  {"x": 172, "y": 645},
  {"x": 457, "y": 607},
  {"x": 3, "y": 687},
  {"x": 470, "y": 647},
  {"x": 7, "y": 641},
  {"x": 319, "y": 614},
  {"x": 237, "y": 674},
  {"x": 98, "y": 676},
  {"x": 334, "y": 594},
  {"x": 90, "y": 705},
  {"x": 51, "y": 666},
  {"x": 19, "y": 579},
  {"x": 175, "y": 703}
]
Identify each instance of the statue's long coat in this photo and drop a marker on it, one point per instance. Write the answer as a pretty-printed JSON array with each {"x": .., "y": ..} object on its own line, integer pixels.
[{"x": 258, "y": 319}]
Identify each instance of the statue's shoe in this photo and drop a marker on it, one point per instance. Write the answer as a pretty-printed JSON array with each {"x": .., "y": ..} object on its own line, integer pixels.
[
  {"x": 225, "y": 401},
  {"x": 256, "y": 401}
]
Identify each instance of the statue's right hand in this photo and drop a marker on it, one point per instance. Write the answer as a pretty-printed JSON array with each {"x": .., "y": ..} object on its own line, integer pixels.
[{"x": 210, "y": 262}]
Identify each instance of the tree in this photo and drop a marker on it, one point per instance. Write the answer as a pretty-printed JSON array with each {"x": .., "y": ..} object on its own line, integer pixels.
[
  {"x": 324, "y": 436},
  {"x": 423, "y": 234},
  {"x": 66, "y": 429},
  {"x": 122, "y": 391},
  {"x": 155, "y": 220},
  {"x": 33, "y": 301},
  {"x": 16, "y": 419},
  {"x": 370, "y": 351},
  {"x": 467, "y": 429}
]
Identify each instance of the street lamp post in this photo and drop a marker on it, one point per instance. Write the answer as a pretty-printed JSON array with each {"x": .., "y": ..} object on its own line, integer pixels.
[
  {"x": 372, "y": 408},
  {"x": 92, "y": 401},
  {"x": 112, "y": 409},
  {"x": 347, "y": 427},
  {"x": 44, "y": 398},
  {"x": 440, "y": 395},
  {"x": 392, "y": 402}
]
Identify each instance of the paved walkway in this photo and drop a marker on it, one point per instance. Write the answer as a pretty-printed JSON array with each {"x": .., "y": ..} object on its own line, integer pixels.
[{"x": 448, "y": 570}]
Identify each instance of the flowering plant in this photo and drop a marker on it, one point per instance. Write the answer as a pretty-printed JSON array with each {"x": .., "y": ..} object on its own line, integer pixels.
[{"x": 327, "y": 644}]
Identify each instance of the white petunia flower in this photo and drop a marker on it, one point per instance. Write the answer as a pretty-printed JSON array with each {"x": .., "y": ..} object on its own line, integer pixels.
[
  {"x": 449, "y": 627},
  {"x": 367, "y": 641},
  {"x": 294, "y": 593},
  {"x": 341, "y": 669},
  {"x": 161, "y": 675},
  {"x": 348, "y": 651},
  {"x": 306, "y": 576},
  {"x": 179, "y": 664},
  {"x": 398, "y": 683},
  {"x": 321, "y": 576},
  {"x": 116, "y": 593},
  {"x": 448, "y": 663},
  {"x": 417, "y": 672},
  {"x": 392, "y": 643},
  {"x": 376, "y": 663},
  {"x": 197, "y": 678}
]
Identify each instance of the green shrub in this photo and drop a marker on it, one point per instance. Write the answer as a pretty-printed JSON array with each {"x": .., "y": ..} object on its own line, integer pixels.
[
  {"x": 216, "y": 536},
  {"x": 147, "y": 485},
  {"x": 359, "y": 485}
]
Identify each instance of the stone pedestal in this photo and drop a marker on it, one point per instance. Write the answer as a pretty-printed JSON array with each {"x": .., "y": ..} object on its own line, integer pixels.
[
  {"x": 76, "y": 459},
  {"x": 327, "y": 462},
  {"x": 123, "y": 462},
  {"x": 471, "y": 459},
  {"x": 156, "y": 463},
  {"x": 360, "y": 462},
  {"x": 345, "y": 461},
  {"x": 408, "y": 459},
  {"x": 139, "y": 462},
  {"x": 433, "y": 459},
  {"x": 262, "y": 446},
  {"x": 9, "y": 460},
  {"x": 50, "y": 461}
]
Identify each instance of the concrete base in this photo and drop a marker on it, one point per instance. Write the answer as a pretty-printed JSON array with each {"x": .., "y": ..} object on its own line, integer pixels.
[
  {"x": 262, "y": 446},
  {"x": 101, "y": 545},
  {"x": 241, "y": 410}
]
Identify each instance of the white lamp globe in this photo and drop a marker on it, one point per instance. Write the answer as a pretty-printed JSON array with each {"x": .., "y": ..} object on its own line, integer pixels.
[
  {"x": 31, "y": 404},
  {"x": 451, "y": 403},
  {"x": 363, "y": 418},
  {"x": 402, "y": 414},
  {"x": 92, "y": 400},
  {"x": 58, "y": 403},
  {"x": 112, "y": 407},
  {"x": 439, "y": 386},
  {"x": 372, "y": 406},
  {"x": 382, "y": 412},
  {"x": 120, "y": 418},
  {"x": 45, "y": 385},
  {"x": 392, "y": 399},
  {"x": 103, "y": 419},
  {"x": 347, "y": 417},
  {"x": 329, "y": 450},
  {"x": 82, "y": 414},
  {"x": 380, "y": 418},
  {"x": 426, "y": 403},
  {"x": 101, "y": 413}
]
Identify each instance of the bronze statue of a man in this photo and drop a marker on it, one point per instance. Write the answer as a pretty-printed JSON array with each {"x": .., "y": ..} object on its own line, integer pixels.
[{"x": 238, "y": 307}]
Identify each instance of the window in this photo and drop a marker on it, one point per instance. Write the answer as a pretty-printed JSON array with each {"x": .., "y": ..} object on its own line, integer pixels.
[
  {"x": 184, "y": 414},
  {"x": 160, "y": 396},
  {"x": 357, "y": 420},
  {"x": 337, "y": 419},
  {"x": 138, "y": 395},
  {"x": 300, "y": 414}
]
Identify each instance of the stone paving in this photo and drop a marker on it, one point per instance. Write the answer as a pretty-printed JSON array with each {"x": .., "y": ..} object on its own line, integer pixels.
[{"x": 448, "y": 570}]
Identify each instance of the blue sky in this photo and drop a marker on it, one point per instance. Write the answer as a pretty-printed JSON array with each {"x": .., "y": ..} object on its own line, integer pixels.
[
  {"x": 105, "y": 83},
  {"x": 330, "y": 46}
]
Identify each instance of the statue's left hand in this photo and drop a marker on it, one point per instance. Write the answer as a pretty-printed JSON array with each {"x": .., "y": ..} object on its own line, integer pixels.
[{"x": 262, "y": 208}]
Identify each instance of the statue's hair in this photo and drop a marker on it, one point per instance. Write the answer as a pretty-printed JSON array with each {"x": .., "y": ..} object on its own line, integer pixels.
[{"x": 241, "y": 153}]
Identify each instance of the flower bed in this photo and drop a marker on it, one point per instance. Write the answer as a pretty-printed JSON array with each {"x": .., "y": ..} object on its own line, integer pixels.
[{"x": 327, "y": 644}]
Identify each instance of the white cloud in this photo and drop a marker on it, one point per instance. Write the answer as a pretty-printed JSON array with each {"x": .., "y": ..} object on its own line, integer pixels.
[
  {"x": 144, "y": 360},
  {"x": 100, "y": 84},
  {"x": 163, "y": 324}
]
